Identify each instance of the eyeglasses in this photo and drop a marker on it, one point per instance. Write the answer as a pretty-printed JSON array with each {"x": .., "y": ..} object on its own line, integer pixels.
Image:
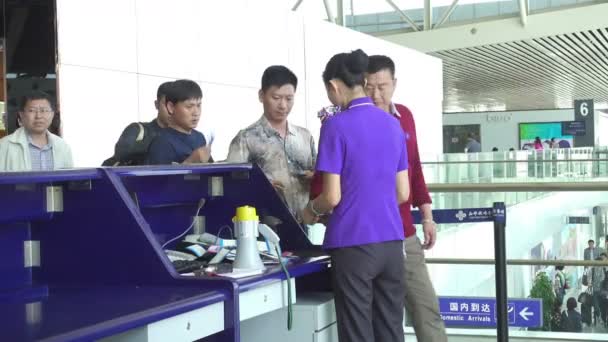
[{"x": 41, "y": 110}]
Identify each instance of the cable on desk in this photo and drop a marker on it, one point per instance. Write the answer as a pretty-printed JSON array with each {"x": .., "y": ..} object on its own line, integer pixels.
[
  {"x": 289, "y": 302},
  {"x": 201, "y": 204}
]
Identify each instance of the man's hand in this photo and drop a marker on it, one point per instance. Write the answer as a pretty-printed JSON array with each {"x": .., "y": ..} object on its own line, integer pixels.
[
  {"x": 278, "y": 186},
  {"x": 308, "y": 175},
  {"x": 430, "y": 234},
  {"x": 200, "y": 155},
  {"x": 308, "y": 217}
]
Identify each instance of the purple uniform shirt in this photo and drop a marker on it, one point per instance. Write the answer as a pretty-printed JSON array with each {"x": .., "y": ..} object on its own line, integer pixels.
[{"x": 366, "y": 147}]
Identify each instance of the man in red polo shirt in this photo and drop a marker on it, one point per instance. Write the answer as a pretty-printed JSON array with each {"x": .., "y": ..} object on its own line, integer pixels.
[{"x": 420, "y": 298}]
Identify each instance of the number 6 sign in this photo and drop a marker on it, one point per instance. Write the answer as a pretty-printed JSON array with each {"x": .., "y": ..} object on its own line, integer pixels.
[{"x": 583, "y": 107}]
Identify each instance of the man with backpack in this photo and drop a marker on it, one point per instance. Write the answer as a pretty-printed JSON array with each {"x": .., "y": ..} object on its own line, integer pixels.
[
  {"x": 132, "y": 146},
  {"x": 181, "y": 143}
]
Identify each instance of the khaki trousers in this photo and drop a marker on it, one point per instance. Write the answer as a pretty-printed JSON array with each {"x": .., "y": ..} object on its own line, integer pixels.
[{"x": 421, "y": 301}]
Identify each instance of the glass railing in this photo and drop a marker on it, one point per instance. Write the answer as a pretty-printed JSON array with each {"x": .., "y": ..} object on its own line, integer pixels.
[
  {"x": 551, "y": 165},
  {"x": 571, "y": 164},
  {"x": 549, "y": 230},
  {"x": 386, "y": 20}
]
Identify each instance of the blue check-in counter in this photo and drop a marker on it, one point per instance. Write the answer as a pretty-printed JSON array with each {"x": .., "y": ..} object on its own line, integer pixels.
[
  {"x": 166, "y": 199},
  {"x": 79, "y": 264},
  {"x": 82, "y": 255}
]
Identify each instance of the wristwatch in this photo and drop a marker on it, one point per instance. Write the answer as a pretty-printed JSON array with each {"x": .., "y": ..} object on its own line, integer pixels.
[{"x": 313, "y": 210}]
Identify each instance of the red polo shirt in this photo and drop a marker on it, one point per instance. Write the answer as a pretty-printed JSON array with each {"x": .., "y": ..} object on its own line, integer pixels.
[{"x": 419, "y": 193}]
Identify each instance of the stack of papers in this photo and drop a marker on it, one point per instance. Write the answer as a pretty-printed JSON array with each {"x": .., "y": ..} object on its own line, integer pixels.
[{"x": 241, "y": 273}]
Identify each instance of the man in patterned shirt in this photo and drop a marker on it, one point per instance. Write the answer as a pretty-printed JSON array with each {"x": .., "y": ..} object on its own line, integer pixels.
[{"x": 285, "y": 152}]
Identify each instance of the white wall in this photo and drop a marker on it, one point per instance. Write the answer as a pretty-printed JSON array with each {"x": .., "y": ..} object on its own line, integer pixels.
[
  {"x": 113, "y": 54},
  {"x": 501, "y": 129}
]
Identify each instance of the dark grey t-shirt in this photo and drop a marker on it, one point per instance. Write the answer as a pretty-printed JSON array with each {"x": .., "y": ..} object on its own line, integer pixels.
[{"x": 473, "y": 146}]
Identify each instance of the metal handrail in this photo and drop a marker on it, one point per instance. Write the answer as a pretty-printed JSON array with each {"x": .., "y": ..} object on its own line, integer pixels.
[
  {"x": 520, "y": 262},
  {"x": 518, "y": 187},
  {"x": 512, "y": 161}
]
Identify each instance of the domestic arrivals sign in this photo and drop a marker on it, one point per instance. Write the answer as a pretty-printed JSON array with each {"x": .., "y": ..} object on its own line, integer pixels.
[{"x": 481, "y": 312}]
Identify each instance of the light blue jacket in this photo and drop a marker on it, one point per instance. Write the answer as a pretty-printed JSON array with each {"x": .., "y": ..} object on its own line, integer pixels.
[{"x": 15, "y": 154}]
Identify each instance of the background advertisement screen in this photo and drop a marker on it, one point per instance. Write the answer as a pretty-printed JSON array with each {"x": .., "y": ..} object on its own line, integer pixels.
[{"x": 545, "y": 130}]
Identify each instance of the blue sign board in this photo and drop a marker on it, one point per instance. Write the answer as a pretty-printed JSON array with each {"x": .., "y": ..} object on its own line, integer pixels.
[
  {"x": 466, "y": 215},
  {"x": 574, "y": 128},
  {"x": 481, "y": 312}
]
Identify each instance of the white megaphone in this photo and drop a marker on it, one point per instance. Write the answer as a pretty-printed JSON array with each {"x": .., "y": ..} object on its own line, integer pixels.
[{"x": 246, "y": 223}]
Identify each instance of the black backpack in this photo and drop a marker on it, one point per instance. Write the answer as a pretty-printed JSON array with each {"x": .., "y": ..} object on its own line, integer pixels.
[{"x": 137, "y": 152}]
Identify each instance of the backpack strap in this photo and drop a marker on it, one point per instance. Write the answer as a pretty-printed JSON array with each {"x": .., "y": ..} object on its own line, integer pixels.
[{"x": 142, "y": 131}]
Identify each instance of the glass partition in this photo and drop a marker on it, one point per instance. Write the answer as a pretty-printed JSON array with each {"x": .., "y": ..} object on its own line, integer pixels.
[
  {"x": 554, "y": 165},
  {"x": 378, "y": 16},
  {"x": 544, "y": 229}
]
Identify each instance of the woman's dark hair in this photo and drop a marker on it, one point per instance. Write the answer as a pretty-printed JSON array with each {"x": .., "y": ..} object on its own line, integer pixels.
[
  {"x": 537, "y": 139},
  {"x": 349, "y": 68},
  {"x": 559, "y": 267},
  {"x": 571, "y": 303}
]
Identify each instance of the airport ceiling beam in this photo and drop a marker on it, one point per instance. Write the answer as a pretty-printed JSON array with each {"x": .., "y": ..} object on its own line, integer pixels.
[
  {"x": 523, "y": 12},
  {"x": 446, "y": 15},
  {"x": 330, "y": 15},
  {"x": 428, "y": 15},
  {"x": 340, "y": 18},
  {"x": 297, "y": 4},
  {"x": 570, "y": 20},
  {"x": 403, "y": 15}
]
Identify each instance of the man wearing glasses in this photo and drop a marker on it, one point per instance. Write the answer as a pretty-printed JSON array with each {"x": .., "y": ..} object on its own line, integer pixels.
[{"x": 32, "y": 147}]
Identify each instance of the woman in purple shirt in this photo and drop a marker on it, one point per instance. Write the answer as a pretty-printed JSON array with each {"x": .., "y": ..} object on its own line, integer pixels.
[{"x": 363, "y": 159}]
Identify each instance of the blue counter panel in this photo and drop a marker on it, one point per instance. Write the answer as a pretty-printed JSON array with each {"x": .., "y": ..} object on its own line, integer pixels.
[
  {"x": 296, "y": 269},
  {"x": 75, "y": 314},
  {"x": 167, "y": 196}
]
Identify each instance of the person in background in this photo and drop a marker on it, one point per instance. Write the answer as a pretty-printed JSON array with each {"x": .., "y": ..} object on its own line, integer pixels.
[
  {"x": 571, "y": 319},
  {"x": 494, "y": 149},
  {"x": 420, "y": 298},
  {"x": 32, "y": 147},
  {"x": 365, "y": 233},
  {"x": 553, "y": 143},
  {"x": 591, "y": 252},
  {"x": 598, "y": 275},
  {"x": 56, "y": 127},
  {"x": 559, "y": 282},
  {"x": 285, "y": 152},
  {"x": 604, "y": 300},
  {"x": 181, "y": 143},
  {"x": 472, "y": 146},
  {"x": 538, "y": 144},
  {"x": 556, "y": 315},
  {"x": 132, "y": 145}
]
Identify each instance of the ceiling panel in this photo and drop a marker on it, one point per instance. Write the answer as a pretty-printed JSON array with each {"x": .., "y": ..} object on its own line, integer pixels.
[{"x": 540, "y": 73}]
